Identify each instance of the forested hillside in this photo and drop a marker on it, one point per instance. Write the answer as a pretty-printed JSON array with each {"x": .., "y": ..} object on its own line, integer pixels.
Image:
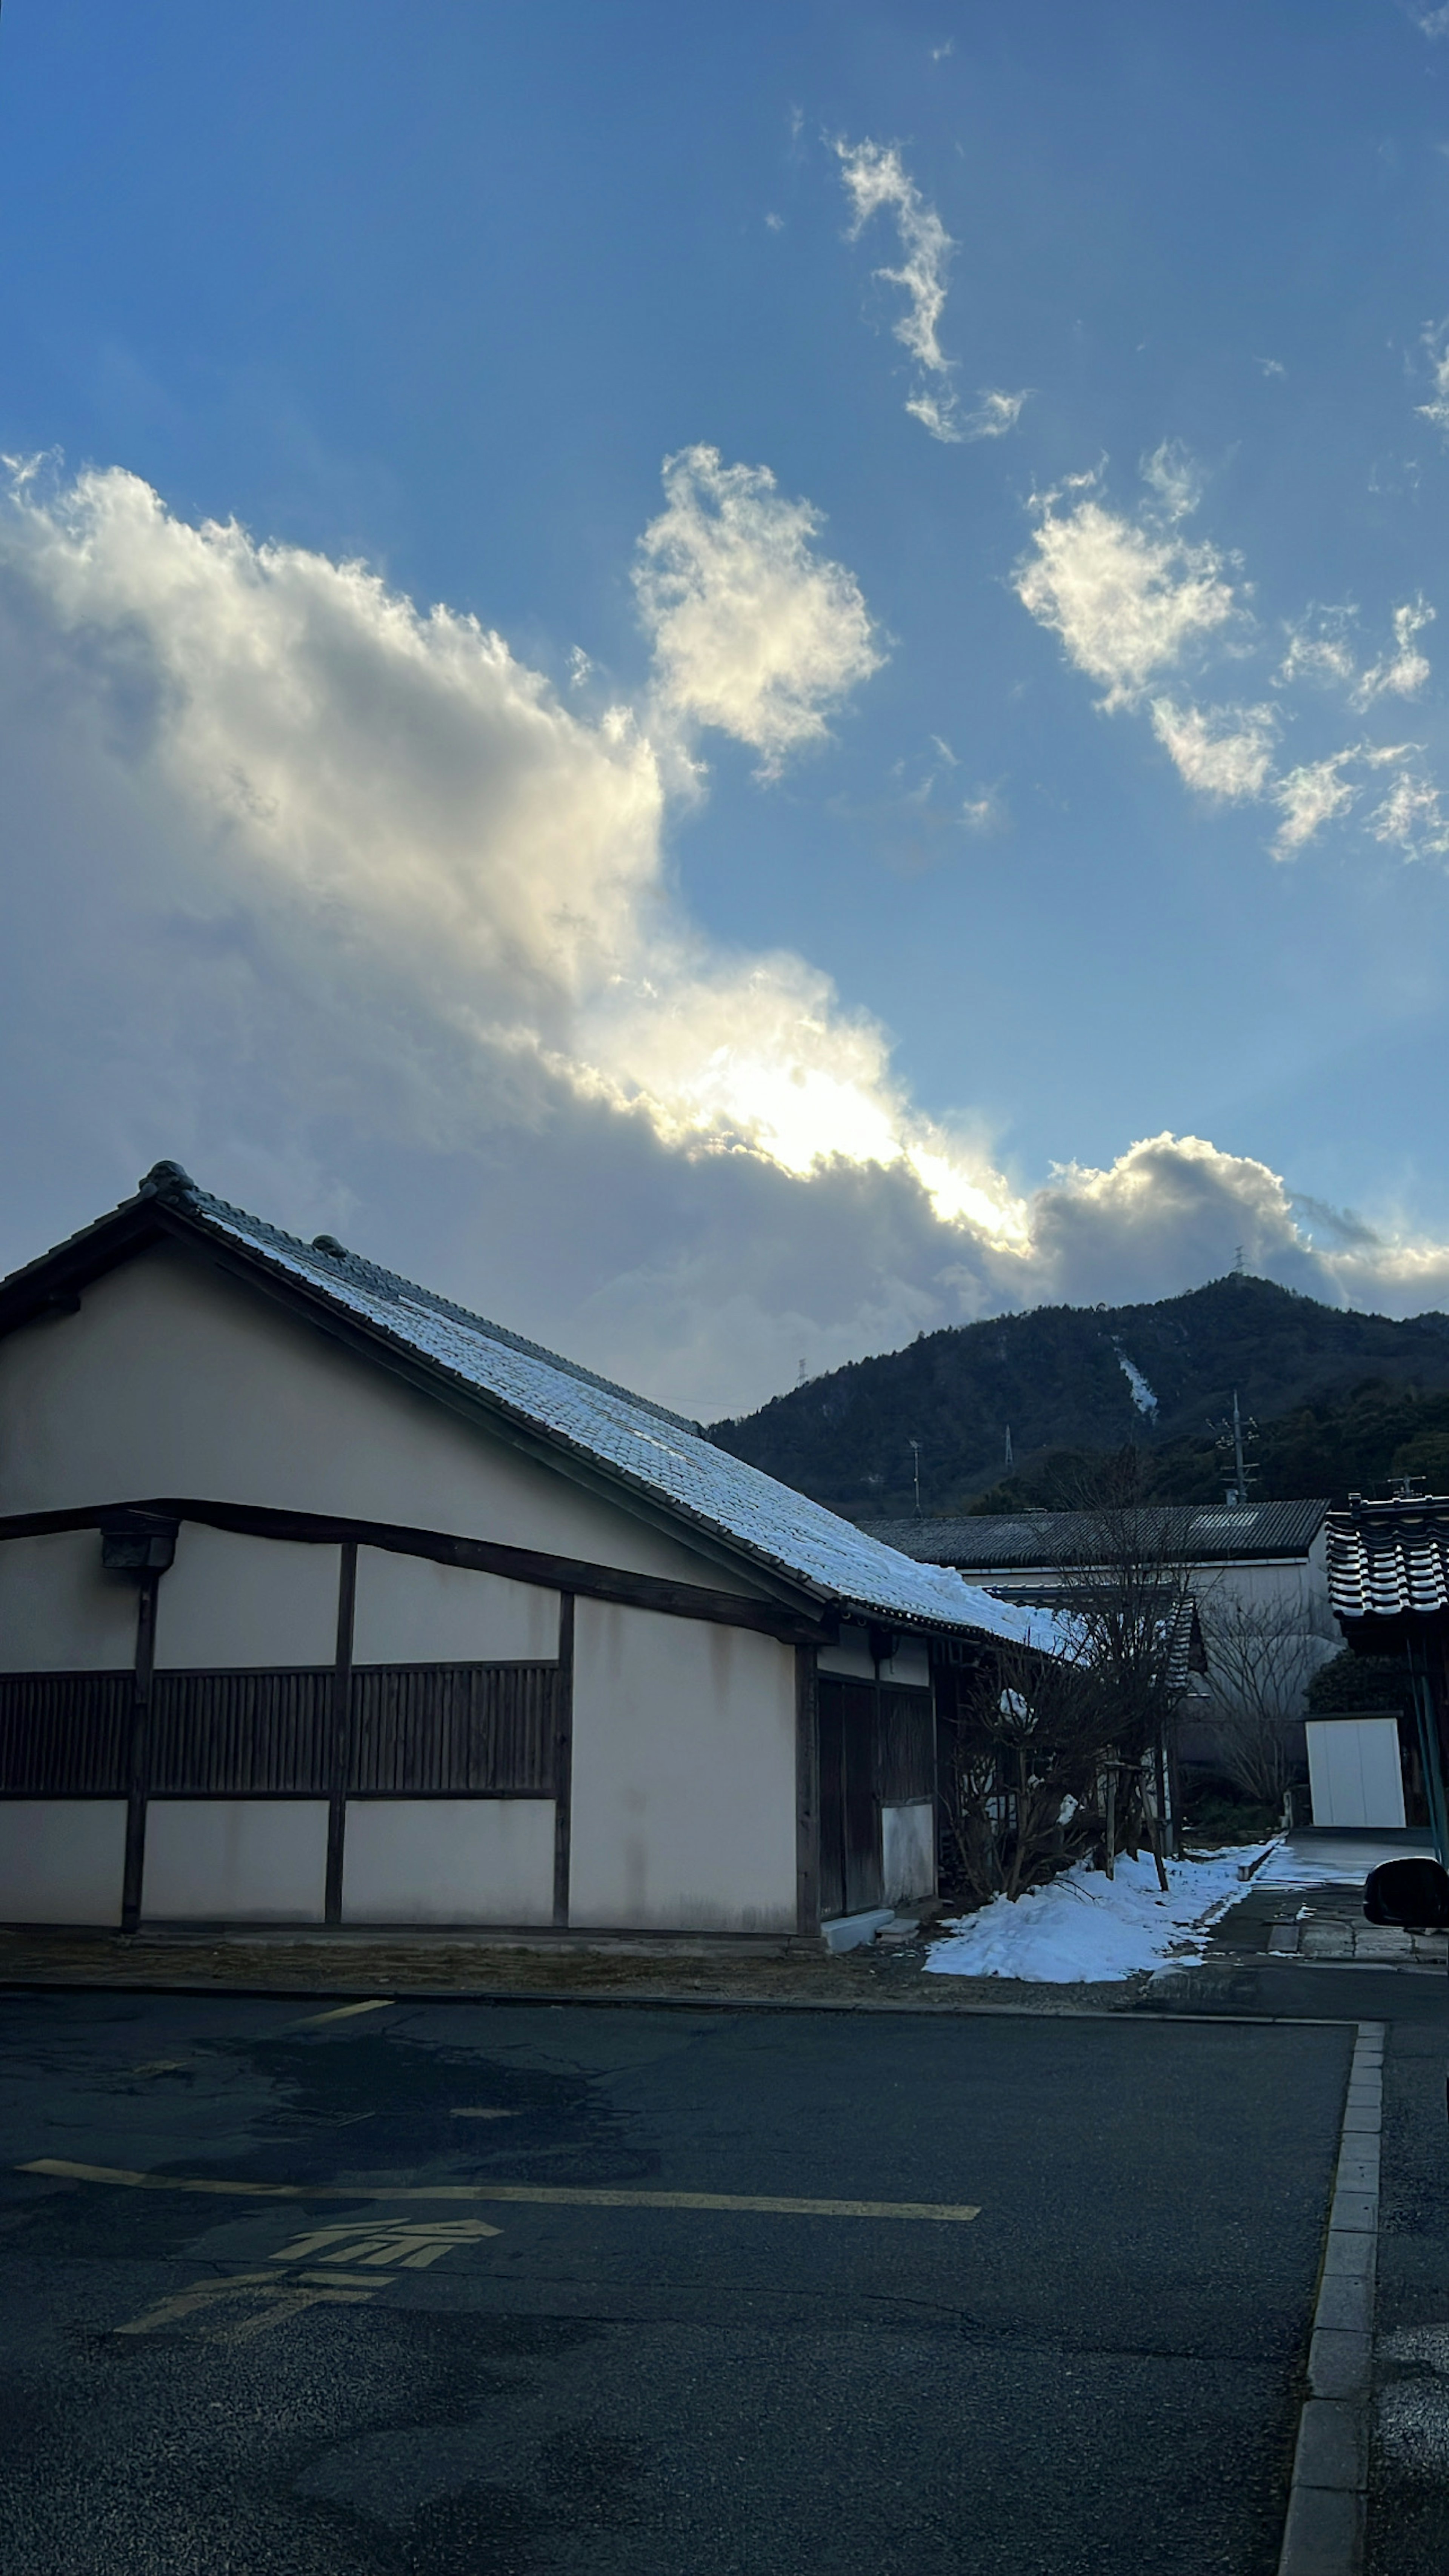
[{"x": 1341, "y": 1400}]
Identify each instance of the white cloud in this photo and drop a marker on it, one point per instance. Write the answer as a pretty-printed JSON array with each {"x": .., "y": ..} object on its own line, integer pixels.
[
  {"x": 985, "y": 812},
  {"x": 342, "y": 904},
  {"x": 1126, "y": 602},
  {"x": 1403, "y": 671},
  {"x": 1412, "y": 818},
  {"x": 753, "y": 631},
  {"x": 1320, "y": 648},
  {"x": 1132, "y": 600},
  {"x": 1432, "y": 22},
  {"x": 1308, "y": 797},
  {"x": 1171, "y": 474},
  {"x": 995, "y": 414},
  {"x": 1320, "y": 791},
  {"x": 1436, "y": 341},
  {"x": 1223, "y": 752},
  {"x": 876, "y": 182}
]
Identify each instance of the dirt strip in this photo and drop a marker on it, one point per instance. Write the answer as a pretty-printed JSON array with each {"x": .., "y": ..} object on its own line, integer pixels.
[{"x": 867, "y": 1979}]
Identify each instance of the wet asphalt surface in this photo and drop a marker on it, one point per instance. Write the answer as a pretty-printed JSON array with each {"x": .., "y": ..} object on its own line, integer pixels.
[
  {"x": 1408, "y": 2504},
  {"x": 1098, "y": 2373}
]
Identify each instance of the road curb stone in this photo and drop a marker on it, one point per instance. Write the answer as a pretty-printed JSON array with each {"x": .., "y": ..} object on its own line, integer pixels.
[{"x": 1324, "y": 2531}]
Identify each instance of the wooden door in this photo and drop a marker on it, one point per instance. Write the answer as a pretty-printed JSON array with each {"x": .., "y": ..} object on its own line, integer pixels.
[{"x": 850, "y": 1853}]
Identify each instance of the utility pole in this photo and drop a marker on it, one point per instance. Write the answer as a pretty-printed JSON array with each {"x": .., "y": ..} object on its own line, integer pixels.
[
  {"x": 916, "y": 1470},
  {"x": 1010, "y": 1460},
  {"x": 1234, "y": 1433}
]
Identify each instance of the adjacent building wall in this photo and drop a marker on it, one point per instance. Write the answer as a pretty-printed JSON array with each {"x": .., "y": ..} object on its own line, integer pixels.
[{"x": 683, "y": 1775}]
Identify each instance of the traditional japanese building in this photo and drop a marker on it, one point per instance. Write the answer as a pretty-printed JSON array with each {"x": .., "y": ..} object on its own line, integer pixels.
[{"x": 323, "y": 1600}]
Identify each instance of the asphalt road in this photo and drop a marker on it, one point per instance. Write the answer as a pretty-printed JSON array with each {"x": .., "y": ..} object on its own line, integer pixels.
[
  {"x": 1408, "y": 2501},
  {"x": 1099, "y": 2372}
]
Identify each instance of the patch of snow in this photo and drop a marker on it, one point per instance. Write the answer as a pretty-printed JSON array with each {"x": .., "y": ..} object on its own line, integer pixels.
[
  {"x": 1085, "y": 1928},
  {"x": 1142, "y": 1395},
  {"x": 1326, "y": 1862}
]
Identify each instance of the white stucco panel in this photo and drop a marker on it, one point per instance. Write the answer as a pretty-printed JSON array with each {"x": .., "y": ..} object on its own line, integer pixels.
[
  {"x": 59, "y": 1611},
  {"x": 908, "y": 1851},
  {"x": 683, "y": 1775},
  {"x": 909, "y": 1668},
  {"x": 235, "y": 1860},
  {"x": 230, "y": 1602},
  {"x": 62, "y": 1859},
  {"x": 448, "y": 1860},
  {"x": 411, "y": 1611}
]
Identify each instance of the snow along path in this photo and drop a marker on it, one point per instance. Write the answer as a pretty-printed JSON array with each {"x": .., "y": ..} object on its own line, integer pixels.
[{"x": 1084, "y": 1928}]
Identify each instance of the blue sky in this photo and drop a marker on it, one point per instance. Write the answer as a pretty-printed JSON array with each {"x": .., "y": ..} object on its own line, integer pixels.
[{"x": 970, "y": 828}]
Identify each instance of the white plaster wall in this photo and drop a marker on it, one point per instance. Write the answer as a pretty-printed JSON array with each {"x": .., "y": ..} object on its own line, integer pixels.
[
  {"x": 235, "y": 1860},
  {"x": 62, "y": 1860},
  {"x": 851, "y": 1660},
  {"x": 174, "y": 1379},
  {"x": 230, "y": 1602},
  {"x": 59, "y": 1611},
  {"x": 410, "y": 1611},
  {"x": 683, "y": 1813},
  {"x": 908, "y": 1850},
  {"x": 448, "y": 1860}
]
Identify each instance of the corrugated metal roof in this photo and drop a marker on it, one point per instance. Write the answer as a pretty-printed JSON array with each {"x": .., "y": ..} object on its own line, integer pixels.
[
  {"x": 641, "y": 1445},
  {"x": 1388, "y": 1558},
  {"x": 1205, "y": 1534}
]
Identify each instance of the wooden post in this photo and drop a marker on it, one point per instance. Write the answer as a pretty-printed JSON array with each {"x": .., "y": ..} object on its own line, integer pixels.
[
  {"x": 340, "y": 1762},
  {"x": 807, "y": 1794},
  {"x": 139, "y": 1770},
  {"x": 563, "y": 1759}
]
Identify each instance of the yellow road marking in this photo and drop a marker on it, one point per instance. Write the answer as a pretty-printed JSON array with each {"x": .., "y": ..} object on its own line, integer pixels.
[
  {"x": 555, "y": 2195},
  {"x": 413, "y": 2243},
  {"x": 274, "y": 2301},
  {"x": 342, "y": 2012}
]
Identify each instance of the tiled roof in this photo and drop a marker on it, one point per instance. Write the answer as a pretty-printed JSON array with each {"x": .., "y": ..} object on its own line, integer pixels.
[
  {"x": 642, "y": 1446},
  {"x": 1388, "y": 1558},
  {"x": 1204, "y": 1533}
]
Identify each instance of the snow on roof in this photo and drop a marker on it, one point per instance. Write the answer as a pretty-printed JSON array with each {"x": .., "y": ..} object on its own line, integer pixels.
[{"x": 643, "y": 1445}]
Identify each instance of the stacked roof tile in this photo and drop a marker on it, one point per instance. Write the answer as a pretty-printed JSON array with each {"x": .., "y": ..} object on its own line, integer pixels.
[{"x": 1388, "y": 1558}]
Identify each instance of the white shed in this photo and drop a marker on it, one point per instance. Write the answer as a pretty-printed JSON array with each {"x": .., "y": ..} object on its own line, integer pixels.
[{"x": 323, "y": 1600}]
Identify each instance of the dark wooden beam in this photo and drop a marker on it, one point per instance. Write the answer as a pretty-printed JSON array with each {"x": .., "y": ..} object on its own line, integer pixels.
[
  {"x": 563, "y": 1760},
  {"x": 807, "y": 1794},
  {"x": 139, "y": 1770},
  {"x": 473, "y": 1555},
  {"x": 341, "y": 1746}
]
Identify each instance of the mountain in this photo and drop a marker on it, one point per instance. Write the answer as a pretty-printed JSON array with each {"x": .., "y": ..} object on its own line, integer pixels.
[{"x": 1339, "y": 1398}]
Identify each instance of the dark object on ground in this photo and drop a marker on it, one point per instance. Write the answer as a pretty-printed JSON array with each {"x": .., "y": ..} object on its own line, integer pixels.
[{"x": 1414, "y": 1892}]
